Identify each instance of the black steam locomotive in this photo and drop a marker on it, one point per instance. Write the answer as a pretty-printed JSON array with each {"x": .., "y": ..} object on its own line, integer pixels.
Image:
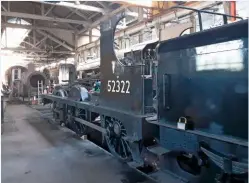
[{"x": 198, "y": 131}]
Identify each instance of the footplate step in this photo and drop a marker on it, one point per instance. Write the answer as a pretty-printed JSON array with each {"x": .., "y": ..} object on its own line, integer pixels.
[{"x": 158, "y": 150}]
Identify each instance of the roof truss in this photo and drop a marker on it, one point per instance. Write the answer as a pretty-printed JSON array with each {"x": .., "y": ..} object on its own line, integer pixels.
[{"x": 47, "y": 12}]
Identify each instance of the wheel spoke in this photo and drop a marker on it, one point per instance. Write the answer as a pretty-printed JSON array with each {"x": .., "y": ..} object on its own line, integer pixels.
[
  {"x": 117, "y": 145},
  {"x": 127, "y": 145},
  {"x": 108, "y": 121},
  {"x": 81, "y": 114},
  {"x": 119, "y": 148},
  {"x": 80, "y": 129},
  {"x": 111, "y": 140},
  {"x": 124, "y": 149},
  {"x": 123, "y": 134}
]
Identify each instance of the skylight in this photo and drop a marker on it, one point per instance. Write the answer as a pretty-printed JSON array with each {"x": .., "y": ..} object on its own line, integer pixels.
[{"x": 15, "y": 36}]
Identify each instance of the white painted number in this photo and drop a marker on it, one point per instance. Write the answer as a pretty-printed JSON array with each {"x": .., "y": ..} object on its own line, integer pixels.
[
  {"x": 123, "y": 84},
  {"x": 128, "y": 86},
  {"x": 118, "y": 86},
  {"x": 109, "y": 86},
  {"x": 113, "y": 88}
]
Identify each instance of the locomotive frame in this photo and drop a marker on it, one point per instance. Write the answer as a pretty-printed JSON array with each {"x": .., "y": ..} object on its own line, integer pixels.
[{"x": 133, "y": 131}]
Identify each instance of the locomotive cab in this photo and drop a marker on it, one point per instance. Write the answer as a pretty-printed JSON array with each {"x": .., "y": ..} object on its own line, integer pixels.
[
  {"x": 123, "y": 77},
  {"x": 203, "y": 98},
  {"x": 206, "y": 80}
]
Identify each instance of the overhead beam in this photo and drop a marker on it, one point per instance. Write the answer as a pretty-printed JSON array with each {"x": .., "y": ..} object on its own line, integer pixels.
[
  {"x": 103, "y": 4},
  {"x": 3, "y": 7},
  {"x": 50, "y": 9},
  {"x": 36, "y": 50},
  {"x": 89, "y": 45},
  {"x": 76, "y": 6},
  {"x": 34, "y": 34},
  {"x": 93, "y": 15},
  {"x": 81, "y": 15},
  {"x": 76, "y": 11},
  {"x": 54, "y": 48},
  {"x": 31, "y": 57},
  {"x": 38, "y": 59},
  {"x": 42, "y": 9},
  {"x": 8, "y": 5},
  {"x": 41, "y": 17},
  {"x": 37, "y": 46},
  {"x": 140, "y": 26},
  {"x": 57, "y": 46},
  {"x": 34, "y": 56},
  {"x": 32, "y": 45},
  {"x": 90, "y": 35},
  {"x": 55, "y": 40},
  {"x": 11, "y": 25},
  {"x": 105, "y": 17},
  {"x": 66, "y": 24},
  {"x": 71, "y": 13},
  {"x": 32, "y": 53},
  {"x": 39, "y": 42},
  {"x": 168, "y": 16}
]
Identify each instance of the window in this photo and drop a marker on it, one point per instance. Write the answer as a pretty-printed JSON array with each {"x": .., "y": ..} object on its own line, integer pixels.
[
  {"x": 146, "y": 36},
  {"x": 134, "y": 39},
  {"x": 154, "y": 34},
  {"x": 224, "y": 56},
  {"x": 125, "y": 43}
]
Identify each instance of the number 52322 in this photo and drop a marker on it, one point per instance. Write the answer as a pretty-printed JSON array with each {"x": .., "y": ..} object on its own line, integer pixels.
[{"x": 118, "y": 86}]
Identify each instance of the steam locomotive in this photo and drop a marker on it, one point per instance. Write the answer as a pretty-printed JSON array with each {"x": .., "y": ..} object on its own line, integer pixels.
[
  {"x": 23, "y": 81},
  {"x": 198, "y": 129}
]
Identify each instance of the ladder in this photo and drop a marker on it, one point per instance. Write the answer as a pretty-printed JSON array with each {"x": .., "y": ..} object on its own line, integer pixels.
[{"x": 40, "y": 90}]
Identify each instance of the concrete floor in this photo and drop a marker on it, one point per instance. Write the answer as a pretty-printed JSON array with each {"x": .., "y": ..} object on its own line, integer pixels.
[{"x": 35, "y": 151}]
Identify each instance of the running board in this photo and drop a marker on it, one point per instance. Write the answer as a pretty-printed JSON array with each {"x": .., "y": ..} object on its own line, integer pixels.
[{"x": 96, "y": 127}]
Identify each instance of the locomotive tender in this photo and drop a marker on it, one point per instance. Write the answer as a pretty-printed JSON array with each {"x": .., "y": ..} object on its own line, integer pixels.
[{"x": 199, "y": 130}]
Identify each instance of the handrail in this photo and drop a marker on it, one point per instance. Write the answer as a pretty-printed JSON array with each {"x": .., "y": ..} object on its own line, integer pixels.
[{"x": 208, "y": 12}]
